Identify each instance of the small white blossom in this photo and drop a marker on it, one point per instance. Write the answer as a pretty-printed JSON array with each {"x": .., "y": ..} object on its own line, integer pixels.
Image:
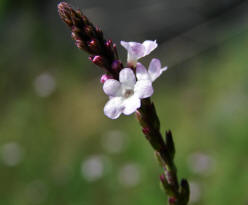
[
  {"x": 125, "y": 94},
  {"x": 153, "y": 72},
  {"x": 137, "y": 50}
]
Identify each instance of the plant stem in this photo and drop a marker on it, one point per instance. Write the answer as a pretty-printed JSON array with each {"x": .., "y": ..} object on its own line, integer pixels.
[{"x": 165, "y": 151}]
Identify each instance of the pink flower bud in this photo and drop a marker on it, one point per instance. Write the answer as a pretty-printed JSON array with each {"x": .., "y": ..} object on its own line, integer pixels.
[
  {"x": 117, "y": 66},
  {"x": 146, "y": 130},
  {"x": 172, "y": 200},
  {"x": 162, "y": 177},
  {"x": 109, "y": 43},
  {"x": 94, "y": 46},
  {"x": 75, "y": 29},
  {"x": 80, "y": 44},
  {"x": 105, "y": 77},
  {"x": 88, "y": 30},
  {"x": 98, "y": 60}
]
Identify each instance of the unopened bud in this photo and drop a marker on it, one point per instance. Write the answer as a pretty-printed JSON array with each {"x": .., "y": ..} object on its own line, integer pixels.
[
  {"x": 109, "y": 43},
  {"x": 146, "y": 130},
  {"x": 162, "y": 178},
  {"x": 109, "y": 47},
  {"x": 78, "y": 12},
  {"x": 88, "y": 30},
  {"x": 75, "y": 29},
  {"x": 80, "y": 44},
  {"x": 94, "y": 46},
  {"x": 115, "y": 51},
  {"x": 117, "y": 66},
  {"x": 64, "y": 10},
  {"x": 98, "y": 60},
  {"x": 99, "y": 32},
  {"x": 75, "y": 36},
  {"x": 85, "y": 20},
  {"x": 105, "y": 77},
  {"x": 172, "y": 200},
  {"x": 184, "y": 191}
]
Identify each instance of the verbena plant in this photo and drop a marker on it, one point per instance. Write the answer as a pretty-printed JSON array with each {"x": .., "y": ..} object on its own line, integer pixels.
[{"x": 129, "y": 89}]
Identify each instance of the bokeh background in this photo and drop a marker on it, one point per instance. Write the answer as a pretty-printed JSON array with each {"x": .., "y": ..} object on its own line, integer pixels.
[{"x": 58, "y": 148}]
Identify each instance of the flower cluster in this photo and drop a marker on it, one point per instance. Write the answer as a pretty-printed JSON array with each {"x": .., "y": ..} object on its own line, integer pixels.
[{"x": 133, "y": 85}]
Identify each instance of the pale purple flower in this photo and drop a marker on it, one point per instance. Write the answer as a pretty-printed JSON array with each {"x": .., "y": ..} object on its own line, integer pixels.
[
  {"x": 153, "y": 72},
  {"x": 125, "y": 94},
  {"x": 137, "y": 50}
]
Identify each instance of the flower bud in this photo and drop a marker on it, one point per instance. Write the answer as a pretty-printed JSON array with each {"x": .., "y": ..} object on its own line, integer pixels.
[
  {"x": 88, "y": 30},
  {"x": 109, "y": 48},
  {"x": 75, "y": 29},
  {"x": 109, "y": 43},
  {"x": 115, "y": 51},
  {"x": 75, "y": 36},
  {"x": 162, "y": 178},
  {"x": 172, "y": 200},
  {"x": 98, "y": 60},
  {"x": 184, "y": 192},
  {"x": 80, "y": 44},
  {"x": 94, "y": 46},
  {"x": 117, "y": 66},
  {"x": 99, "y": 32},
  {"x": 146, "y": 131},
  {"x": 105, "y": 77}
]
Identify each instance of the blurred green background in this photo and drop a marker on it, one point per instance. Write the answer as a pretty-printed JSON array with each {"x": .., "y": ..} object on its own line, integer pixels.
[{"x": 58, "y": 148}]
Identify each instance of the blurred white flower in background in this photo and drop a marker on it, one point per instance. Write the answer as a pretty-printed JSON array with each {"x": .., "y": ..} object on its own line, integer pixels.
[
  {"x": 44, "y": 84},
  {"x": 195, "y": 192},
  {"x": 94, "y": 166},
  {"x": 201, "y": 163},
  {"x": 12, "y": 154},
  {"x": 114, "y": 141},
  {"x": 129, "y": 175}
]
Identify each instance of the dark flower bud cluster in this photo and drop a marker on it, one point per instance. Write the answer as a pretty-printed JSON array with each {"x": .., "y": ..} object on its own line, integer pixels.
[{"x": 89, "y": 38}]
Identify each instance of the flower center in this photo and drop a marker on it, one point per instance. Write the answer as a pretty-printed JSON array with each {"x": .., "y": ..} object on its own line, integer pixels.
[{"x": 128, "y": 93}]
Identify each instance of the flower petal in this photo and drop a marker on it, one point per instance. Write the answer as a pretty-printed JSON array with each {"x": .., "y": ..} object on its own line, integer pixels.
[
  {"x": 114, "y": 108},
  {"x": 143, "y": 89},
  {"x": 112, "y": 87},
  {"x": 135, "y": 50},
  {"x": 141, "y": 72},
  {"x": 131, "y": 104},
  {"x": 155, "y": 69},
  {"x": 127, "y": 78},
  {"x": 149, "y": 46},
  {"x": 163, "y": 69}
]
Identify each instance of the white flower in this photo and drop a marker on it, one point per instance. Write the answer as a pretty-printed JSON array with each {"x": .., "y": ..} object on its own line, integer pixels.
[
  {"x": 125, "y": 94},
  {"x": 154, "y": 70},
  {"x": 137, "y": 50}
]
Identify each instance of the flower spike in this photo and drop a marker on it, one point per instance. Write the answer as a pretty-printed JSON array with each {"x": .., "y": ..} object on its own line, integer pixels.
[{"x": 129, "y": 90}]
